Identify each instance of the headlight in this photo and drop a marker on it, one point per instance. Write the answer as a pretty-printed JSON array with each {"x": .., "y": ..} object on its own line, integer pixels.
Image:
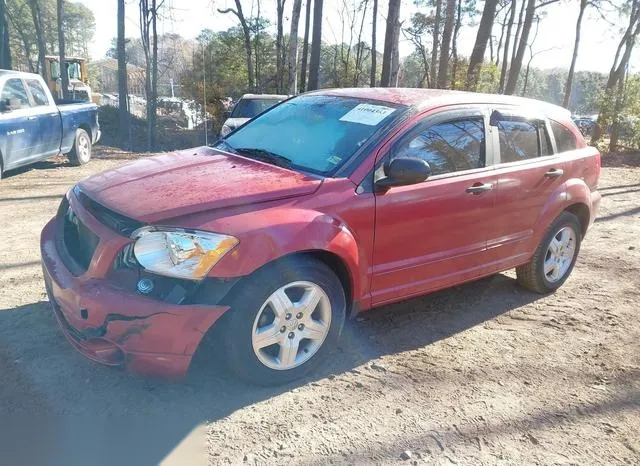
[
  {"x": 180, "y": 253},
  {"x": 226, "y": 129}
]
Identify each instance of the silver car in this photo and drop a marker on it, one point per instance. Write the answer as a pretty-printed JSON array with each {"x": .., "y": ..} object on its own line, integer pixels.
[{"x": 248, "y": 107}]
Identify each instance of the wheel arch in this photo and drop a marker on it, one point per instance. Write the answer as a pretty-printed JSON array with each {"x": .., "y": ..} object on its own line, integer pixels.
[
  {"x": 332, "y": 260},
  {"x": 581, "y": 211},
  {"x": 87, "y": 128}
]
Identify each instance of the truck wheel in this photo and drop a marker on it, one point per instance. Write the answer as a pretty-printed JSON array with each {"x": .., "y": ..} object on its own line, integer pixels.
[
  {"x": 555, "y": 257},
  {"x": 283, "y": 321},
  {"x": 81, "y": 150}
]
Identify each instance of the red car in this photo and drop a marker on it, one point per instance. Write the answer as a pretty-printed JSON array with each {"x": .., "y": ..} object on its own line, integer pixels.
[{"x": 329, "y": 204}]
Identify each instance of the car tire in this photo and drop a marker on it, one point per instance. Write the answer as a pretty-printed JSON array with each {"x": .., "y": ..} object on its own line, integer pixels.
[
  {"x": 81, "y": 151},
  {"x": 554, "y": 258},
  {"x": 259, "y": 336}
]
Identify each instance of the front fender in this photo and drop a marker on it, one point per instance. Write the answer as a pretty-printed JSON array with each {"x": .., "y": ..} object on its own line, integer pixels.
[
  {"x": 296, "y": 231},
  {"x": 571, "y": 192}
]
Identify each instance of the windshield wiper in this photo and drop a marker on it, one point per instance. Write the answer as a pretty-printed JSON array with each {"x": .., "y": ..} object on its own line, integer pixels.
[{"x": 264, "y": 156}]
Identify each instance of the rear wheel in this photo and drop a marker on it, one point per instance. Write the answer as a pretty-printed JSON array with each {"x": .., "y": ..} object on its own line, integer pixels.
[
  {"x": 555, "y": 257},
  {"x": 81, "y": 150},
  {"x": 283, "y": 321}
]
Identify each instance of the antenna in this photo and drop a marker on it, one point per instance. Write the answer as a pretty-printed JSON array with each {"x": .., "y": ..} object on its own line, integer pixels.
[{"x": 204, "y": 92}]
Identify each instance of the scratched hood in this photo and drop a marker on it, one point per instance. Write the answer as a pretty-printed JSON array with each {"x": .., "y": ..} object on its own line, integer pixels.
[{"x": 181, "y": 183}]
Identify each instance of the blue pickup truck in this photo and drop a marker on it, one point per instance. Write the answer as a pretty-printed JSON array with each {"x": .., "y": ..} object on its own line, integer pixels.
[{"x": 33, "y": 127}]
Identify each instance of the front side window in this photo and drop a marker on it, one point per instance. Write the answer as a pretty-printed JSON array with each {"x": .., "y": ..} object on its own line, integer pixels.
[
  {"x": 37, "y": 92},
  {"x": 565, "y": 140},
  {"x": 14, "y": 89},
  {"x": 447, "y": 147},
  {"x": 315, "y": 133},
  {"x": 249, "y": 108}
]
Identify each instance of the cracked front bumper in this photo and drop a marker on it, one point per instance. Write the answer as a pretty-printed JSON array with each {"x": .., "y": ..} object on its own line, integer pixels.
[{"x": 115, "y": 327}]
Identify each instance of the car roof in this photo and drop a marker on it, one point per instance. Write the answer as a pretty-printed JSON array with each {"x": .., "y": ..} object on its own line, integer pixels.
[
  {"x": 265, "y": 96},
  {"x": 433, "y": 98},
  {"x": 17, "y": 74}
]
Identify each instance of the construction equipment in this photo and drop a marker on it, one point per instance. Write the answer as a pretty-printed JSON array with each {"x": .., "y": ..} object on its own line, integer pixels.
[{"x": 79, "y": 89}]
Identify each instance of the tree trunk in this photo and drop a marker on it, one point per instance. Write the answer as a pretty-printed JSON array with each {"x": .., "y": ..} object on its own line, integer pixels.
[
  {"x": 505, "y": 58},
  {"x": 360, "y": 47},
  {"x": 454, "y": 47},
  {"x": 246, "y": 31},
  {"x": 516, "y": 37},
  {"x": 395, "y": 57},
  {"x": 36, "y": 15},
  {"x": 279, "y": 46},
  {"x": 63, "y": 66},
  {"x": 391, "y": 33},
  {"x": 123, "y": 93},
  {"x": 305, "y": 47},
  {"x": 480, "y": 46},
  {"x": 447, "y": 33},
  {"x": 501, "y": 40},
  {"x": 316, "y": 46},
  {"x": 576, "y": 45},
  {"x": 618, "y": 68},
  {"x": 292, "y": 69},
  {"x": 436, "y": 40},
  {"x": 615, "y": 125},
  {"x": 153, "y": 104},
  {"x": 516, "y": 65},
  {"x": 374, "y": 53},
  {"x": 5, "y": 53}
]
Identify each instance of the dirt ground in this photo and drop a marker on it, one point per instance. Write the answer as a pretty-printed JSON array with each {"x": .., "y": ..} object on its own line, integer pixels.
[{"x": 485, "y": 373}]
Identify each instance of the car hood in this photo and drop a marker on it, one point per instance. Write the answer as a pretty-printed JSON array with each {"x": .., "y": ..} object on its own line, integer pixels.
[
  {"x": 233, "y": 123},
  {"x": 181, "y": 183}
]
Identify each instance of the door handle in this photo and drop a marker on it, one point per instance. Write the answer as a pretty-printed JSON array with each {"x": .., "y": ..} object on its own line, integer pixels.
[
  {"x": 479, "y": 188},
  {"x": 31, "y": 118},
  {"x": 554, "y": 173}
]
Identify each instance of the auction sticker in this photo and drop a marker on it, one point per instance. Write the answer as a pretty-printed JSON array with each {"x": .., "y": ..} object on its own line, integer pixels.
[{"x": 367, "y": 114}]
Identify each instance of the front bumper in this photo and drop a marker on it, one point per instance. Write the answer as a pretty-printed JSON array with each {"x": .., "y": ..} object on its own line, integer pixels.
[{"x": 114, "y": 326}]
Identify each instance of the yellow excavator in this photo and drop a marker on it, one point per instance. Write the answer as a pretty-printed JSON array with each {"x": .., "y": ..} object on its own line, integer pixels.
[{"x": 79, "y": 89}]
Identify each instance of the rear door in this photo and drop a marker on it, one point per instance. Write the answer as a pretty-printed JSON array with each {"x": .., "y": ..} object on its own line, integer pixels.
[
  {"x": 19, "y": 126},
  {"x": 49, "y": 123},
  {"x": 433, "y": 234},
  {"x": 529, "y": 170}
]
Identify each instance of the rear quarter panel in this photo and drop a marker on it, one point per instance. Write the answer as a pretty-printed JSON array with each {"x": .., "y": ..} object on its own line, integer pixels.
[{"x": 76, "y": 116}]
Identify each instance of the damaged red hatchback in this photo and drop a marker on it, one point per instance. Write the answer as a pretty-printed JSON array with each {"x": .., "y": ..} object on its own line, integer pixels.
[{"x": 327, "y": 205}]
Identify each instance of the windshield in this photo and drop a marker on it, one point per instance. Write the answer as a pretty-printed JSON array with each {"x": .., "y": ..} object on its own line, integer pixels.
[
  {"x": 314, "y": 133},
  {"x": 248, "y": 108}
]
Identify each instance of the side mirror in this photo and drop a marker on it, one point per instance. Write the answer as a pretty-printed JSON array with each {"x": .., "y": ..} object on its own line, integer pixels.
[{"x": 403, "y": 171}]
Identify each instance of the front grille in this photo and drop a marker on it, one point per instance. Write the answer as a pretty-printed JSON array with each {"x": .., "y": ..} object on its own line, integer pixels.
[
  {"x": 117, "y": 222},
  {"x": 74, "y": 240}
]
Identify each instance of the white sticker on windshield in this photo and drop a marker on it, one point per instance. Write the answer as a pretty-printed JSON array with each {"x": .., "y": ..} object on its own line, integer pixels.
[{"x": 367, "y": 114}]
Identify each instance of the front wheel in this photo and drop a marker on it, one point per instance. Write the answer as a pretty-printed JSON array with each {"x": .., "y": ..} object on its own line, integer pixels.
[
  {"x": 81, "y": 150},
  {"x": 555, "y": 257},
  {"x": 283, "y": 321}
]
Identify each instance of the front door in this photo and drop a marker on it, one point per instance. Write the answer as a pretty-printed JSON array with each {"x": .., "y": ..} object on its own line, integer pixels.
[
  {"x": 49, "y": 122},
  {"x": 19, "y": 127},
  {"x": 434, "y": 234}
]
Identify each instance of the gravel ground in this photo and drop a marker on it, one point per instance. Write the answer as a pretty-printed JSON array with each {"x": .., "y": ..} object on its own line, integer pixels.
[{"x": 485, "y": 373}]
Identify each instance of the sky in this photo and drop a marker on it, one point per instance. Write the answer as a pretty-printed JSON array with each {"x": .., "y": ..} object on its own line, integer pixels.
[{"x": 553, "y": 47}]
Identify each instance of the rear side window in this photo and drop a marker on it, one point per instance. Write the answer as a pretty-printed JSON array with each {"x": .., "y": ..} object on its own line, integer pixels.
[
  {"x": 37, "y": 92},
  {"x": 14, "y": 89},
  {"x": 522, "y": 140},
  {"x": 565, "y": 140},
  {"x": 447, "y": 147}
]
